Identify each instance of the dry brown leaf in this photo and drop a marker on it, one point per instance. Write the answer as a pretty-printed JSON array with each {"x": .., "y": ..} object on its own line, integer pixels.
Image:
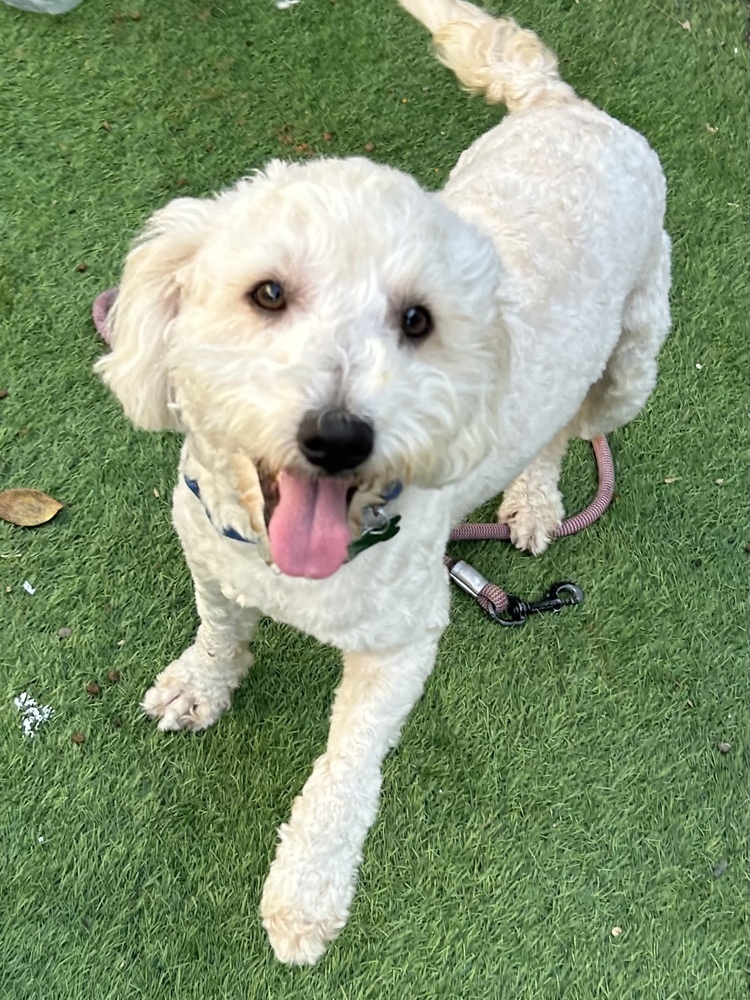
[{"x": 27, "y": 508}]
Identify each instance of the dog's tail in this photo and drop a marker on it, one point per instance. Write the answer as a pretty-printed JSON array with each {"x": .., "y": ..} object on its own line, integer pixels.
[{"x": 489, "y": 55}]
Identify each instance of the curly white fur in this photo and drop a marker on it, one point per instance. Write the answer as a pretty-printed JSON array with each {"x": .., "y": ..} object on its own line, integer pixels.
[{"x": 545, "y": 266}]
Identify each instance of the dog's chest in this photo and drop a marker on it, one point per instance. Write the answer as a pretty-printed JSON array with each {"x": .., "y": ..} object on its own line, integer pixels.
[{"x": 376, "y": 601}]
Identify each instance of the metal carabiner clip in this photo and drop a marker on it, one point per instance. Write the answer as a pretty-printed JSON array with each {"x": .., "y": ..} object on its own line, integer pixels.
[{"x": 559, "y": 596}]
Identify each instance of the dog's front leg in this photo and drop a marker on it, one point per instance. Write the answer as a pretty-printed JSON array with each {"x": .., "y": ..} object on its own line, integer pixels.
[
  {"x": 193, "y": 691},
  {"x": 532, "y": 505},
  {"x": 311, "y": 884}
]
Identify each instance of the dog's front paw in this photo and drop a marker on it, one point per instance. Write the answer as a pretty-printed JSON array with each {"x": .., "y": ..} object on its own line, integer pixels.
[
  {"x": 302, "y": 910},
  {"x": 299, "y": 938},
  {"x": 533, "y": 516},
  {"x": 184, "y": 696}
]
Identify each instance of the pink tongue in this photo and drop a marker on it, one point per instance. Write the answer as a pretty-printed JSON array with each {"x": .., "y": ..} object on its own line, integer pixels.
[{"x": 308, "y": 532}]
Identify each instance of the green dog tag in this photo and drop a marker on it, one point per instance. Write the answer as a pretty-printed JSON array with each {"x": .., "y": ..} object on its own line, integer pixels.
[{"x": 373, "y": 536}]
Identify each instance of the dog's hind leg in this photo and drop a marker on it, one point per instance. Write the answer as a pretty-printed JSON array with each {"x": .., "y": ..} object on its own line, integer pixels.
[
  {"x": 194, "y": 690},
  {"x": 630, "y": 375},
  {"x": 311, "y": 883},
  {"x": 532, "y": 505}
]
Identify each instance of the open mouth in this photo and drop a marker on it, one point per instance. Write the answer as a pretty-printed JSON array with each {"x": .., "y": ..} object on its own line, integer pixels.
[{"x": 307, "y": 519}]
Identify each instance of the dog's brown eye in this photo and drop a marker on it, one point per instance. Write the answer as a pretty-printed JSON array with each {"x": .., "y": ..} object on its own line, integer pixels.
[
  {"x": 416, "y": 323},
  {"x": 269, "y": 295}
]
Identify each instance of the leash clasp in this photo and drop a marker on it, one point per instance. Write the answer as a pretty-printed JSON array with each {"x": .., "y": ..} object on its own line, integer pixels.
[
  {"x": 516, "y": 611},
  {"x": 560, "y": 595}
]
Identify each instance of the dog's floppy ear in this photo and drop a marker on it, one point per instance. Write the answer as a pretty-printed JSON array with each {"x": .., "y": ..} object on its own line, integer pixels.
[{"x": 147, "y": 304}]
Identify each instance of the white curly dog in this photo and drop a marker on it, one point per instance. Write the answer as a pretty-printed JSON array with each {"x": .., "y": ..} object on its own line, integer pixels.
[{"x": 340, "y": 349}]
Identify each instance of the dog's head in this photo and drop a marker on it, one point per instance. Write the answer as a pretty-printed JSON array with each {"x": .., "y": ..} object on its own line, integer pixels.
[{"x": 331, "y": 321}]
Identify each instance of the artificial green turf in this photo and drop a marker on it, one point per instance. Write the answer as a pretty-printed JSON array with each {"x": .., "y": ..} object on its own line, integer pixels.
[{"x": 555, "y": 781}]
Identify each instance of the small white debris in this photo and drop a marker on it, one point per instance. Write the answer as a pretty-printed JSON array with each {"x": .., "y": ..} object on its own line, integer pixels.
[
  {"x": 28, "y": 588},
  {"x": 699, "y": 367},
  {"x": 156, "y": 493},
  {"x": 672, "y": 479},
  {"x": 40, "y": 839},
  {"x": 719, "y": 482},
  {"x": 33, "y": 715},
  {"x": 616, "y": 932},
  {"x": 285, "y": 4},
  {"x": 686, "y": 25},
  {"x": 735, "y": 50}
]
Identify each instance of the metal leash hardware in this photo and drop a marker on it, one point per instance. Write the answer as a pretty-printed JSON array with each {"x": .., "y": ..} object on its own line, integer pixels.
[
  {"x": 518, "y": 610},
  {"x": 512, "y": 610}
]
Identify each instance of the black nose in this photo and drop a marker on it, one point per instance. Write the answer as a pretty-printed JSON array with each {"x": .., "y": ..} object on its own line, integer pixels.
[{"x": 335, "y": 440}]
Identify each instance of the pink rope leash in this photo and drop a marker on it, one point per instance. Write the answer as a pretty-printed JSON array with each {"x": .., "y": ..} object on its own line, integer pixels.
[
  {"x": 472, "y": 531},
  {"x": 492, "y": 598}
]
